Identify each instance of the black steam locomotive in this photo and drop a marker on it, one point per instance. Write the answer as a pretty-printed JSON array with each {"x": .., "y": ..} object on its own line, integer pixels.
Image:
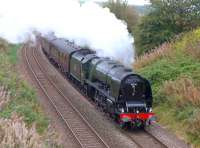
[{"x": 124, "y": 95}]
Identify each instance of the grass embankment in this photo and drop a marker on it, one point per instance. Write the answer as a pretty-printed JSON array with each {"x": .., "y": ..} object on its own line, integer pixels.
[
  {"x": 23, "y": 100},
  {"x": 174, "y": 72}
]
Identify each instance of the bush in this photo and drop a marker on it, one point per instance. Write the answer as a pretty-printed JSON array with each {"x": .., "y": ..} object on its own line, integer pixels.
[
  {"x": 166, "y": 19},
  {"x": 23, "y": 99},
  {"x": 174, "y": 72}
]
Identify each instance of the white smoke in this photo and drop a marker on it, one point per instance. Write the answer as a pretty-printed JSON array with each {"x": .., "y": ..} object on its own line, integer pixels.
[{"x": 87, "y": 25}]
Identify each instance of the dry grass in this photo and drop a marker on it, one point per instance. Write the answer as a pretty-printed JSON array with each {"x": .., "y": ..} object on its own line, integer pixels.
[
  {"x": 184, "y": 90},
  {"x": 4, "y": 97},
  {"x": 150, "y": 57},
  {"x": 14, "y": 133},
  {"x": 195, "y": 125},
  {"x": 22, "y": 121},
  {"x": 194, "y": 51},
  {"x": 194, "y": 130},
  {"x": 174, "y": 72}
]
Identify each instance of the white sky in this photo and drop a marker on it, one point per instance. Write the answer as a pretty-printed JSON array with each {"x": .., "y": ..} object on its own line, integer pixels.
[{"x": 135, "y": 2}]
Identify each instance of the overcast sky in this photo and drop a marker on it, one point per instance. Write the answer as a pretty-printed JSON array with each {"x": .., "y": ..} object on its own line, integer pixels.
[{"x": 135, "y": 2}]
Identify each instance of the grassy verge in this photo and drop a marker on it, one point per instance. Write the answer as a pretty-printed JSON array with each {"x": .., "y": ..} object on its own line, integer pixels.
[
  {"x": 174, "y": 72},
  {"x": 23, "y": 99}
]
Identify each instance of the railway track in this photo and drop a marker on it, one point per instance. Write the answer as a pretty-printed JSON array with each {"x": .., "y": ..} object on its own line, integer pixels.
[
  {"x": 144, "y": 139},
  {"x": 140, "y": 138},
  {"x": 84, "y": 133}
]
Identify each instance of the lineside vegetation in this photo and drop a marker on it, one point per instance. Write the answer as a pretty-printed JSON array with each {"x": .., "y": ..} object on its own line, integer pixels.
[
  {"x": 174, "y": 72},
  {"x": 21, "y": 110}
]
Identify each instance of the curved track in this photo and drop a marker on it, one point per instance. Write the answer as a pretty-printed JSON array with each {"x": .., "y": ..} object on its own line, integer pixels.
[
  {"x": 70, "y": 115},
  {"x": 144, "y": 140},
  {"x": 83, "y": 132}
]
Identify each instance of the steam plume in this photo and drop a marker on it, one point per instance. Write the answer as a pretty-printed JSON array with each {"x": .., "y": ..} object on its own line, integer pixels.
[{"x": 86, "y": 25}]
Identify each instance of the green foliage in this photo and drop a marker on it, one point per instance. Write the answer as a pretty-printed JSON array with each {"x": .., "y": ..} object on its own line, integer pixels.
[
  {"x": 124, "y": 12},
  {"x": 23, "y": 99},
  {"x": 172, "y": 109},
  {"x": 169, "y": 69},
  {"x": 166, "y": 19},
  {"x": 12, "y": 53}
]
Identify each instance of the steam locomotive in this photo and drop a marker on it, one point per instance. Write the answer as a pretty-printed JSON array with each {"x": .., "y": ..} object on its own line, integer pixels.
[{"x": 124, "y": 95}]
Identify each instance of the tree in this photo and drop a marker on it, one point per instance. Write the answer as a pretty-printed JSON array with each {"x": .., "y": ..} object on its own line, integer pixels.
[
  {"x": 166, "y": 19},
  {"x": 123, "y": 11}
]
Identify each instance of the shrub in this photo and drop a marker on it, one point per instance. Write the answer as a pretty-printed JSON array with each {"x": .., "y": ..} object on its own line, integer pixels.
[
  {"x": 22, "y": 98},
  {"x": 22, "y": 121},
  {"x": 174, "y": 72},
  {"x": 165, "y": 20}
]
